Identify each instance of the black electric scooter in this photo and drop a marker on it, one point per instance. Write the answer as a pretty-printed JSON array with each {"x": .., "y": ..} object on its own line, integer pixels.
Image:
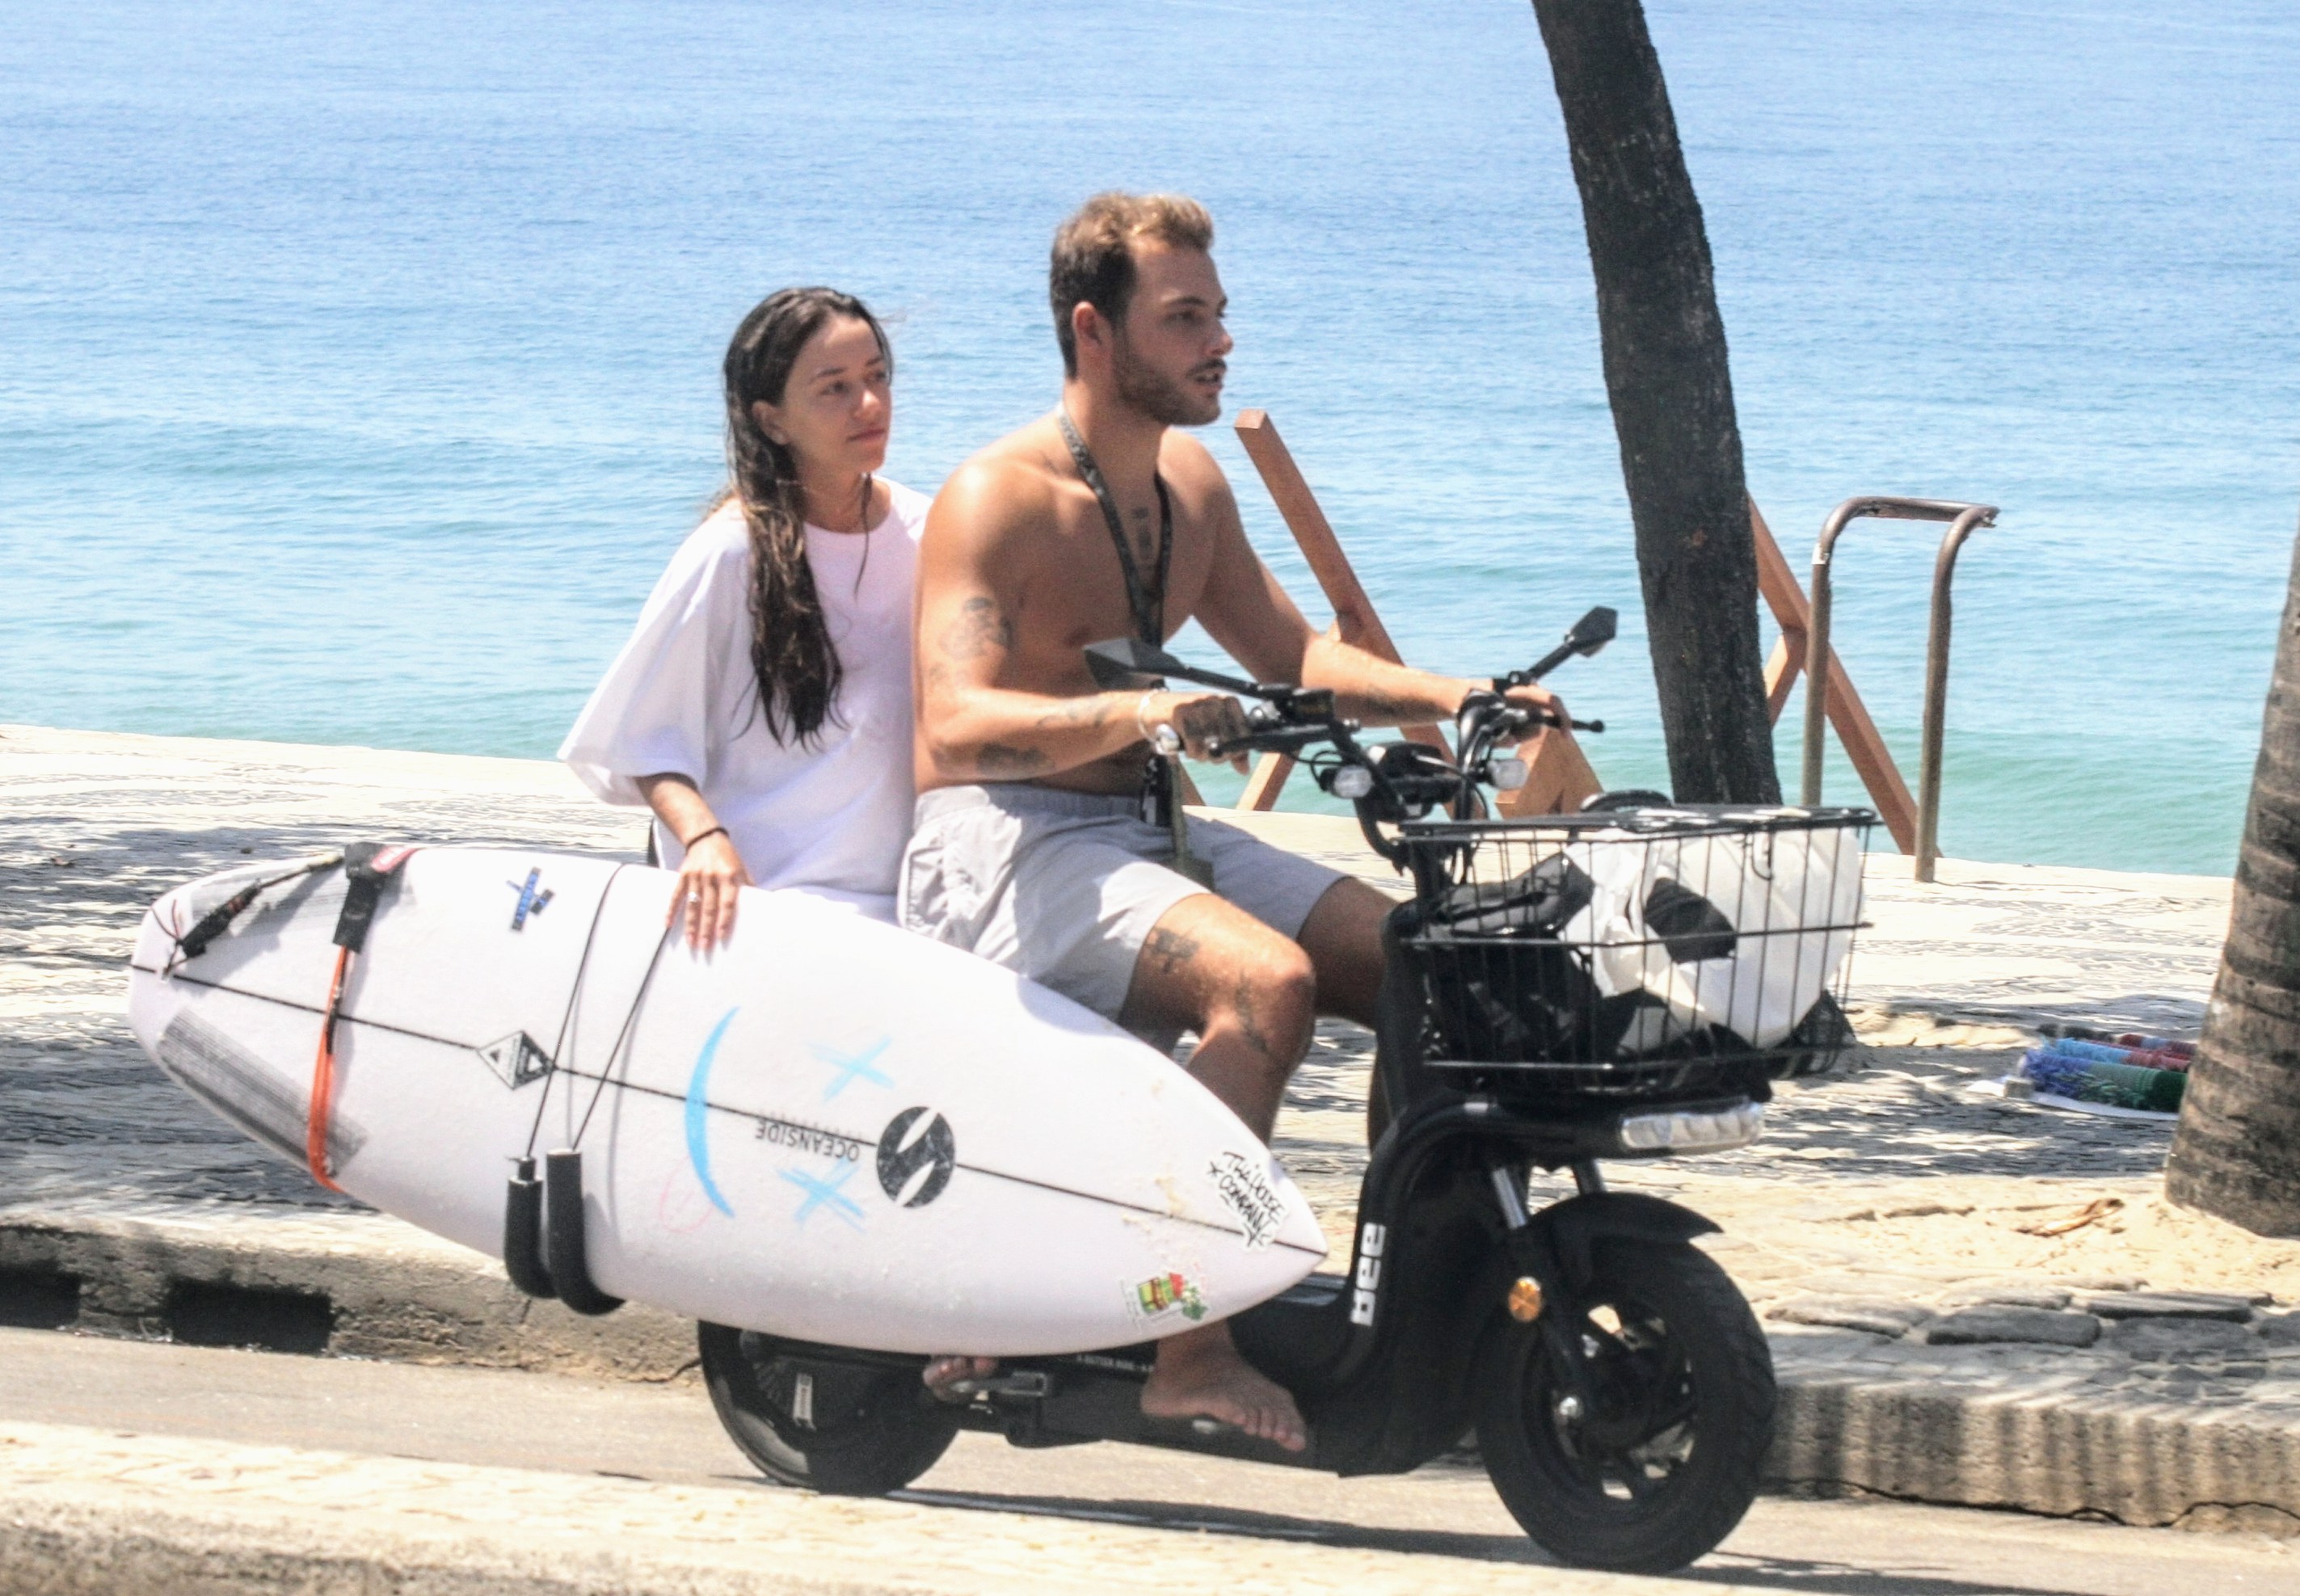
[{"x": 1621, "y": 1390}]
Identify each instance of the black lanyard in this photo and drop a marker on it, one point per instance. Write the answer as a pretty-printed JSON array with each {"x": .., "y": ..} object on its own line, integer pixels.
[{"x": 1148, "y": 604}]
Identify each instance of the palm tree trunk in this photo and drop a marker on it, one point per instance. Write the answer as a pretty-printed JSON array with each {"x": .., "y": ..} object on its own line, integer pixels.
[
  {"x": 1672, "y": 398},
  {"x": 2236, "y": 1152}
]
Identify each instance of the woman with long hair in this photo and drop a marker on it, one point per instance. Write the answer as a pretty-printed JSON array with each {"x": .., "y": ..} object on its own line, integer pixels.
[{"x": 762, "y": 707}]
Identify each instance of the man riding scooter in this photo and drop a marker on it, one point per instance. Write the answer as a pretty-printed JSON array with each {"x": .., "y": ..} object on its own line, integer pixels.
[{"x": 1031, "y": 846}]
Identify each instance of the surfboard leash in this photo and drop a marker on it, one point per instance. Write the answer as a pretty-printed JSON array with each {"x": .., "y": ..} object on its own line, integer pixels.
[
  {"x": 631, "y": 1015},
  {"x": 368, "y": 867},
  {"x": 559, "y": 1042}
]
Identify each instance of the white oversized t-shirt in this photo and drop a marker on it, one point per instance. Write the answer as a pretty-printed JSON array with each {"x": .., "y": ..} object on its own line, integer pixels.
[{"x": 831, "y": 817}]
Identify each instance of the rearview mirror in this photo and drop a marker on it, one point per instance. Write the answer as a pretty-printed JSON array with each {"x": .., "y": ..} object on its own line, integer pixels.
[
  {"x": 1585, "y": 637},
  {"x": 1126, "y": 664},
  {"x": 1593, "y": 631}
]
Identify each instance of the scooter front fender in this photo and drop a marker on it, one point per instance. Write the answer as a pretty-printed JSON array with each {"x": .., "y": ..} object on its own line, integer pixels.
[{"x": 1566, "y": 1232}]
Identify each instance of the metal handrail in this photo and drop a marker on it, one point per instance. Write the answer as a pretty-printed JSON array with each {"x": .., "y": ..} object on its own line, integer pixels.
[{"x": 1963, "y": 519}]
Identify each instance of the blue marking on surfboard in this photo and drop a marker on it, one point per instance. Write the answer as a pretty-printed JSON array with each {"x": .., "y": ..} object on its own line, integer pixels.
[
  {"x": 531, "y": 902},
  {"x": 853, "y": 1066},
  {"x": 698, "y": 1113},
  {"x": 825, "y": 1194}
]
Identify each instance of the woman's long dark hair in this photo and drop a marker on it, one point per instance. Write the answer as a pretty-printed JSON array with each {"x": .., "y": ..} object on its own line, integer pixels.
[{"x": 799, "y": 670}]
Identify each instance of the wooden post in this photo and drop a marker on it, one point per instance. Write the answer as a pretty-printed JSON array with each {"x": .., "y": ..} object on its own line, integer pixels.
[
  {"x": 1864, "y": 744},
  {"x": 1354, "y": 618},
  {"x": 1558, "y": 776}
]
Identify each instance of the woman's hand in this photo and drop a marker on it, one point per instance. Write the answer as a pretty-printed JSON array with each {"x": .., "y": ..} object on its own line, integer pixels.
[
  {"x": 708, "y": 880},
  {"x": 712, "y": 872}
]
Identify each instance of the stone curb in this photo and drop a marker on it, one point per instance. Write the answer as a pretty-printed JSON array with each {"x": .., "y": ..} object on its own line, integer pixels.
[
  {"x": 355, "y": 1285},
  {"x": 2134, "y": 1461},
  {"x": 86, "y": 1512},
  {"x": 378, "y": 1288}
]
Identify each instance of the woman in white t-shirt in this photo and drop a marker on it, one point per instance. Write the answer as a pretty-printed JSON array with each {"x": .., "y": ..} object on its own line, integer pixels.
[{"x": 762, "y": 707}]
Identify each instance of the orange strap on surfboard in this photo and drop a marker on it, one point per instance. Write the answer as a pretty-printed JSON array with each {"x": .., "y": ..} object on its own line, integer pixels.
[
  {"x": 323, "y": 1081},
  {"x": 367, "y": 867}
]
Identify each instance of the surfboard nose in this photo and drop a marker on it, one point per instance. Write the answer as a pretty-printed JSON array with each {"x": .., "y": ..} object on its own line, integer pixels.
[{"x": 153, "y": 946}]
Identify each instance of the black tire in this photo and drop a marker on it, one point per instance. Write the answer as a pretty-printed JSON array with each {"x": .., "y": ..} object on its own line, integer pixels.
[
  {"x": 1671, "y": 1457},
  {"x": 873, "y": 1430}
]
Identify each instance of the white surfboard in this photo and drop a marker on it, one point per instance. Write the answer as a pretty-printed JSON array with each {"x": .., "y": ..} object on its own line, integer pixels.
[{"x": 830, "y": 1129}]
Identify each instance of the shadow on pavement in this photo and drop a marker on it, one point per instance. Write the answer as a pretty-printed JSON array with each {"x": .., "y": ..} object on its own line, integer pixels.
[{"x": 1821, "y": 1577}]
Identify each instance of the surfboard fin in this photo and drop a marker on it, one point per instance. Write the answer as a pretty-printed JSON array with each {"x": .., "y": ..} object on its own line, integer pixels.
[
  {"x": 562, "y": 1234},
  {"x": 523, "y": 1248}
]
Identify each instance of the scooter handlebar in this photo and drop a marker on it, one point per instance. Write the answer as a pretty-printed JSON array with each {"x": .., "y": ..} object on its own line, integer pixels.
[{"x": 1276, "y": 739}]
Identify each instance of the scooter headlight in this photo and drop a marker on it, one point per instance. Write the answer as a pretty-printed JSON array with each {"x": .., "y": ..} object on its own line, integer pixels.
[
  {"x": 1693, "y": 1130},
  {"x": 1353, "y": 781}
]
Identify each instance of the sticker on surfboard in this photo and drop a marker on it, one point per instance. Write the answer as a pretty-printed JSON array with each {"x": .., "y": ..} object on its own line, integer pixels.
[
  {"x": 516, "y": 1059},
  {"x": 1244, "y": 1186},
  {"x": 1152, "y": 1300}
]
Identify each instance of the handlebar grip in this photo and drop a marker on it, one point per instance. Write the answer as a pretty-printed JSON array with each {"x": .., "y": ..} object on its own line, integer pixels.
[{"x": 1519, "y": 720}]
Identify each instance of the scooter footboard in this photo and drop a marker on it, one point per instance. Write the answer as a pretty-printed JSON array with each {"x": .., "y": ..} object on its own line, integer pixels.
[{"x": 1096, "y": 1397}]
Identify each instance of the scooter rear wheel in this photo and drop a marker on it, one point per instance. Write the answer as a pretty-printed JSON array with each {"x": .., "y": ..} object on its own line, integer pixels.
[
  {"x": 1657, "y": 1463},
  {"x": 844, "y": 1429}
]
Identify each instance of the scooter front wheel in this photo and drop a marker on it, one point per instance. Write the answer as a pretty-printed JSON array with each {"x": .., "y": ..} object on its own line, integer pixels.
[
  {"x": 1649, "y": 1460},
  {"x": 846, "y": 1429}
]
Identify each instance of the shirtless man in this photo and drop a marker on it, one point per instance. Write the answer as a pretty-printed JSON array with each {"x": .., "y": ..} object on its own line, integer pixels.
[{"x": 1032, "y": 847}]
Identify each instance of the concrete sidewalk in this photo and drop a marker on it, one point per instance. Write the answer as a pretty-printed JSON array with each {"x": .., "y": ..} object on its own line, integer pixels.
[
  {"x": 1882, "y": 1204},
  {"x": 86, "y": 1512}
]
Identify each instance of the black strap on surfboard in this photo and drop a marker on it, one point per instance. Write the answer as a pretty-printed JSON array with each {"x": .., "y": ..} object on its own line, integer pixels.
[
  {"x": 369, "y": 868},
  {"x": 1148, "y": 602},
  {"x": 553, "y": 1261}
]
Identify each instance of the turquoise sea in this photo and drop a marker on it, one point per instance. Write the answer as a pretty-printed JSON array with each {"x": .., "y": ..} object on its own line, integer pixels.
[{"x": 357, "y": 363}]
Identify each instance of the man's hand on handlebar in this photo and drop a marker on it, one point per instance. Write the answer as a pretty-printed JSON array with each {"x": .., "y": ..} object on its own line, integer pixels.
[
  {"x": 1542, "y": 710},
  {"x": 1204, "y": 722}
]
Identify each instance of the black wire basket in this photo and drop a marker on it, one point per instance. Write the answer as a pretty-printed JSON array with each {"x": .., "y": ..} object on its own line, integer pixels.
[{"x": 1643, "y": 953}]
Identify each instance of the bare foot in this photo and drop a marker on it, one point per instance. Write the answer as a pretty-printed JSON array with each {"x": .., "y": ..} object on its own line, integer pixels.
[
  {"x": 1200, "y": 1375},
  {"x": 941, "y": 1372}
]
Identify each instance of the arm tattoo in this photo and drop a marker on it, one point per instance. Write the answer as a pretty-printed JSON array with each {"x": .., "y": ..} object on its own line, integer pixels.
[
  {"x": 998, "y": 759},
  {"x": 978, "y": 628},
  {"x": 1245, "y": 1008},
  {"x": 1171, "y": 949},
  {"x": 1089, "y": 712}
]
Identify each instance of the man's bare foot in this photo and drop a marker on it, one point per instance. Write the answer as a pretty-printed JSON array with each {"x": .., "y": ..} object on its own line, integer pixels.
[
  {"x": 941, "y": 1372},
  {"x": 1200, "y": 1375}
]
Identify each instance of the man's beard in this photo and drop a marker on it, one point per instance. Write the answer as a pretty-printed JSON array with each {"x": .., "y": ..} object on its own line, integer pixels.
[{"x": 1158, "y": 395}]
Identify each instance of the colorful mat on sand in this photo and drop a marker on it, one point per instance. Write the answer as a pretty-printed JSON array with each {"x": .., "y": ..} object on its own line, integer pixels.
[{"x": 2090, "y": 1073}]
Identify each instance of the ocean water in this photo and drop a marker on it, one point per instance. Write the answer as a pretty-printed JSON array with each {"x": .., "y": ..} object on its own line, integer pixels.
[{"x": 357, "y": 363}]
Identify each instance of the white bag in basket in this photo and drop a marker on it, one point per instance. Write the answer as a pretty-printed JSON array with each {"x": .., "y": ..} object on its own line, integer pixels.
[{"x": 1791, "y": 898}]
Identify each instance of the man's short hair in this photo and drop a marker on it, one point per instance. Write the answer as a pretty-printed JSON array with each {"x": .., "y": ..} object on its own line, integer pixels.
[{"x": 1094, "y": 253}]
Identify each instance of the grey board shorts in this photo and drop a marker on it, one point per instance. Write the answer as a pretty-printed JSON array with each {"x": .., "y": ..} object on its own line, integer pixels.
[{"x": 1065, "y": 887}]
